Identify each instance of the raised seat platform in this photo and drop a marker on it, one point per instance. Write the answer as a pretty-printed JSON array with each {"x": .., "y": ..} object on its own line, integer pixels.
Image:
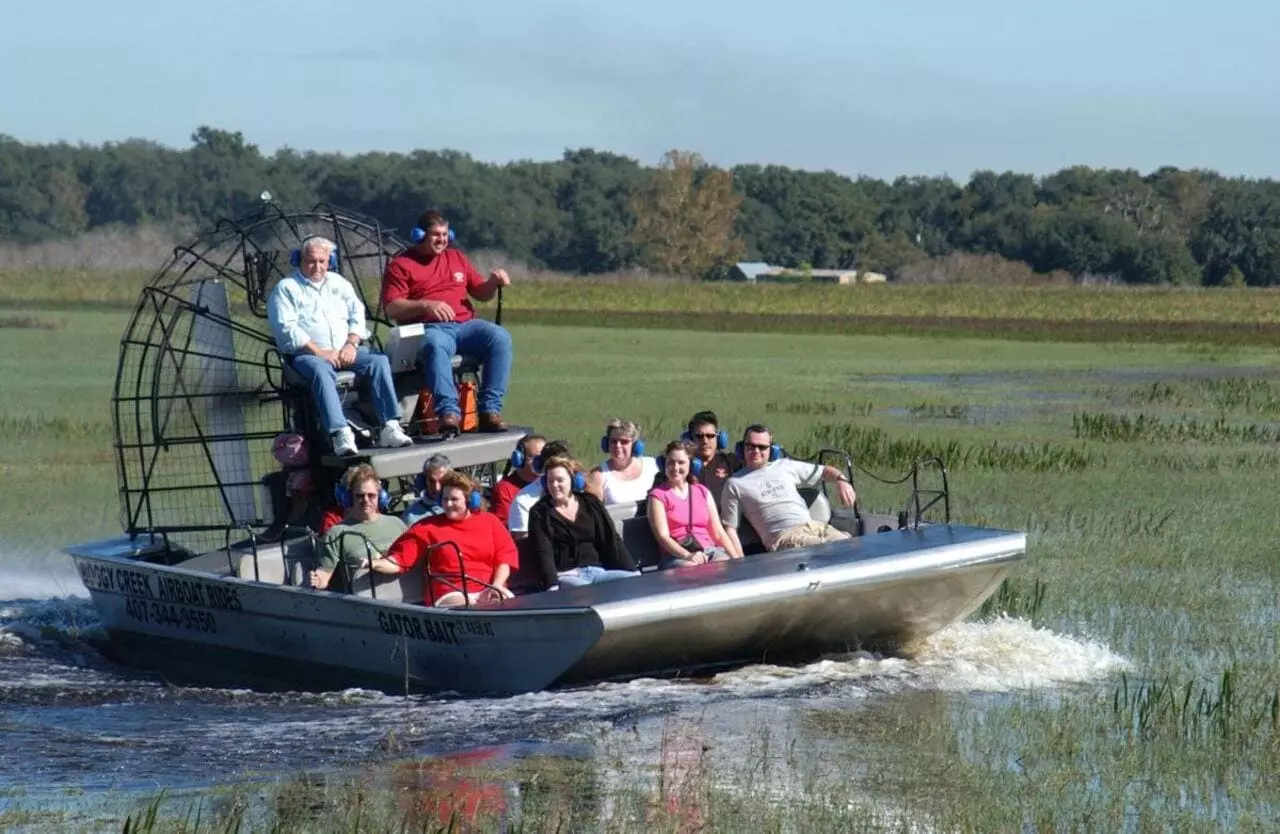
[{"x": 471, "y": 449}]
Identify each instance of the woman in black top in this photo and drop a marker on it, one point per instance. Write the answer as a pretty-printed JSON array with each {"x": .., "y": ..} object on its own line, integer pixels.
[{"x": 572, "y": 536}]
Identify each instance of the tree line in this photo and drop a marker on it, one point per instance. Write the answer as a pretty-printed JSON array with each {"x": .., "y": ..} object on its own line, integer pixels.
[{"x": 594, "y": 211}]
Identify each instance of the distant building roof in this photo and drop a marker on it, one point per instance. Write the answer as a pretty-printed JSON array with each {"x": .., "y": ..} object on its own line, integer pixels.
[{"x": 751, "y": 270}]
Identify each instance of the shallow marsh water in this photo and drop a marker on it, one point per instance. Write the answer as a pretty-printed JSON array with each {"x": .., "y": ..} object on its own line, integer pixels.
[{"x": 1131, "y": 687}]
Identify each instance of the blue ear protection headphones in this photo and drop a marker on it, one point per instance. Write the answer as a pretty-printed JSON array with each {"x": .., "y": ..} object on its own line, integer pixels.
[
  {"x": 475, "y": 500},
  {"x": 418, "y": 234},
  {"x": 344, "y": 497},
  {"x": 722, "y": 439},
  {"x": 578, "y": 483},
  {"x": 637, "y": 446},
  {"x": 518, "y": 457},
  {"x": 295, "y": 257},
  {"x": 775, "y": 451},
  {"x": 695, "y": 465}
]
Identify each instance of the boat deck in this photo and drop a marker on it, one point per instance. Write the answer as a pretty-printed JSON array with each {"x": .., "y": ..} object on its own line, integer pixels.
[{"x": 934, "y": 546}]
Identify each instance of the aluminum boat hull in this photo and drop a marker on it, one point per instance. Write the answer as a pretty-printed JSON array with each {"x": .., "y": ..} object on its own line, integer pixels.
[{"x": 197, "y": 624}]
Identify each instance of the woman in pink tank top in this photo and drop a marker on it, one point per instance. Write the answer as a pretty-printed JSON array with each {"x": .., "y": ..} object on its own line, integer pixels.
[{"x": 684, "y": 518}]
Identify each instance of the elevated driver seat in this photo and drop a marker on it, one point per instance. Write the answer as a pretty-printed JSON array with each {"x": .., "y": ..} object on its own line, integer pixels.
[{"x": 403, "y": 347}]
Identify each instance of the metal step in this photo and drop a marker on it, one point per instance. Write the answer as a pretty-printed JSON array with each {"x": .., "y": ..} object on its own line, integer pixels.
[{"x": 471, "y": 449}]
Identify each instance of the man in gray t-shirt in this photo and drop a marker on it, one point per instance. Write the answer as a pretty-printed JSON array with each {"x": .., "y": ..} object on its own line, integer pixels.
[{"x": 768, "y": 494}]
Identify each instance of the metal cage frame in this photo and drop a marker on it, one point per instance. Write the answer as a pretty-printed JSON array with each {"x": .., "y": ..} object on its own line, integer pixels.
[{"x": 197, "y": 400}]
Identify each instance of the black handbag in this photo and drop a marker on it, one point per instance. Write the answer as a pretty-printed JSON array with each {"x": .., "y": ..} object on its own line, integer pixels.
[{"x": 690, "y": 543}]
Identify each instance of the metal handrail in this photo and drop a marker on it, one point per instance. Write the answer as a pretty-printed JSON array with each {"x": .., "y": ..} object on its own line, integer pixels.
[
  {"x": 369, "y": 550},
  {"x": 462, "y": 571},
  {"x": 253, "y": 542},
  {"x": 938, "y": 495}
]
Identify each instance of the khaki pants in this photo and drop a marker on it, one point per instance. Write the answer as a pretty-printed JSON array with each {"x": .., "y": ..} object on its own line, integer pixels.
[{"x": 811, "y": 532}]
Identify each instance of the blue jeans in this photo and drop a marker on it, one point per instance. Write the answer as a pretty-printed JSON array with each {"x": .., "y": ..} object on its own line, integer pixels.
[
  {"x": 482, "y": 339},
  {"x": 322, "y": 378},
  {"x": 591, "y": 574}
]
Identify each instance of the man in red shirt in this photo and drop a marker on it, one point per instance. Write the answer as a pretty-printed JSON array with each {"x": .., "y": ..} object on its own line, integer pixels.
[
  {"x": 521, "y": 474},
  {"x": 430, "y": 283}
]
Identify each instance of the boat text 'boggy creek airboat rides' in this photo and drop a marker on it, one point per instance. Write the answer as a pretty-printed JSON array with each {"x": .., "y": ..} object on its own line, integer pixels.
[{"x": 208, "y": 584}]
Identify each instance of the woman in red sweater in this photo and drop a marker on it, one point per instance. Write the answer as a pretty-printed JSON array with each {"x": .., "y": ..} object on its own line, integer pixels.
[{"x": 484, "y": 552}]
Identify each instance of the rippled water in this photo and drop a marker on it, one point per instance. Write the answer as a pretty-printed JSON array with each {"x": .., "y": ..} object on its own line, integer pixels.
[{"x": 72, "y": 720}]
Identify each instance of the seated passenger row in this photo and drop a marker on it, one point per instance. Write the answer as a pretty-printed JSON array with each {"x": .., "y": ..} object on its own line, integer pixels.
[{"x": 572, "y": 538}]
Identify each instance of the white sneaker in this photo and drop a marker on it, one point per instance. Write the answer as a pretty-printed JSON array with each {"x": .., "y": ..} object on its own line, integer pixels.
[
  {"x": 392, "y": 435},
  {"x": 344, "y": 442}
]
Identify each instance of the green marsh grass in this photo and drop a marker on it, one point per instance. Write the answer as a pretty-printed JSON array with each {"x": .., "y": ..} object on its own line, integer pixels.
[
  {"x": 1162, "y": 550},
  {"x": 1149, "y": 428},
  {"x": 71, "y": 287},
  {"x": 1231, "y": 394},
  {"x": 30, "y": 322},
  {"x": 877, "y": 447},
  {"x": 939, "y": 411}
]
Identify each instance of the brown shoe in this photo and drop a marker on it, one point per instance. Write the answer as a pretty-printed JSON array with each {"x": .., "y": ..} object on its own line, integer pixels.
[
  {"x": 492, "y": 422},
  {"x": 449, "y": 424}
]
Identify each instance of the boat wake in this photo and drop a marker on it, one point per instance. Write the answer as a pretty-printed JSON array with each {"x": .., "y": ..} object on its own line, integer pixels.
[
  {"x": 53, "y": 677},
  {"x": 1001, "y": 655}
]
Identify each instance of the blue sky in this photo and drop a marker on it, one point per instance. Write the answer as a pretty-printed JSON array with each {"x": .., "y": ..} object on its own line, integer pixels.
[{"x": 882, "y": 89}]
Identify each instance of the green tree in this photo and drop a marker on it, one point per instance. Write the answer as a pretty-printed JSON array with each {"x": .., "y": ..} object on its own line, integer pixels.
[
  {"x": 685, "y": 215},
  {"x": 1241, "y": 229},
  {"x": 222, "y": 175}
]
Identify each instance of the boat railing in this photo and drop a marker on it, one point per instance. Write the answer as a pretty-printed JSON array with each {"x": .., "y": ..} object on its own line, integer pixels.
[
  {"x": 272, "y": 536},
  {"x": 840, "y": 456},
  {"x": 922, "y": 498},
  {"x": 371, "y": 552},
  {"x": 933, "y": 496},
  {"x": 463, "y": 582},
  {"x": 252, "y": 539}
]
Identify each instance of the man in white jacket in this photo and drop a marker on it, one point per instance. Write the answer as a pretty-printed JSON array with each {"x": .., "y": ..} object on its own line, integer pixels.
[{"x": 318, "y": 324}]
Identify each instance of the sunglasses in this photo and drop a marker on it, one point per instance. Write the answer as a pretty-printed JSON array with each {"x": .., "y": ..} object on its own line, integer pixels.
[
  {"x": 759, "y": 447},
  {"x": 706, "y": 435}
]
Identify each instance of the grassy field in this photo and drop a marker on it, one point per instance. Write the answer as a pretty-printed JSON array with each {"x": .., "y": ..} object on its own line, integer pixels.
[
  {"x": 1144, "y": 474},
  {"x": 1048, "y": 313}
]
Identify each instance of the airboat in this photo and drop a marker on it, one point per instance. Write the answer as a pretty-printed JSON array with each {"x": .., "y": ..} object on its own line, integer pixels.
[{"x": 208, "y": 582}]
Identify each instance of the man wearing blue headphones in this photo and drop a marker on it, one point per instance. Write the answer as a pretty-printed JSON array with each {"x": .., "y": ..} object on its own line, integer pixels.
[
  {"x": 433, "y": 283},
  {"x": 521, "y": 472},
  {"x": 318, "y": 324},
  {"x": 427, "y": 484},
  {"x": 364, "y": 534},
  {"x": 709, "y": 442},
  {"x": 766, "y": 491}
]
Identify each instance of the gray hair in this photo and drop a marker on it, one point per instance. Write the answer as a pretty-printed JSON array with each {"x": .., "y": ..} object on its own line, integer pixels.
[
  {"x": 627, "y": 427},
  {"x": 312, "y": 241},
  {"x": 437, "y": 461}
]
